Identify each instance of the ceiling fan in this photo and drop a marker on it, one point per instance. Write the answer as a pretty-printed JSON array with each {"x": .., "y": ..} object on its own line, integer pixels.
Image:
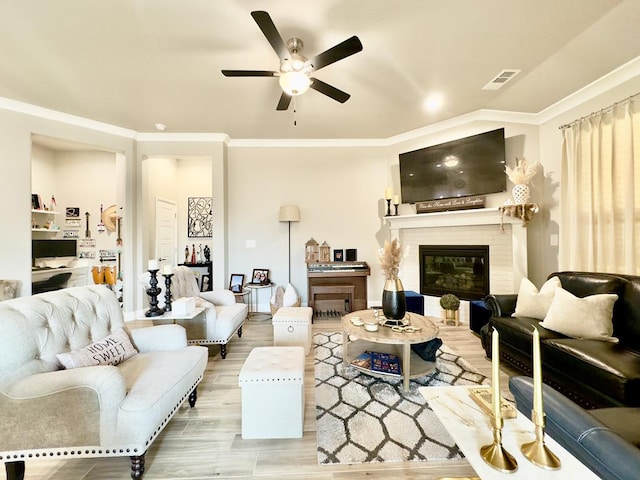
[{"x": 295, "y": 69}]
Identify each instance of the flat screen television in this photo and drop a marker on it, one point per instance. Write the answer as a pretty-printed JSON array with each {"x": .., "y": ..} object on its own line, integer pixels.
[
  {"x": 53, "y": 248},
  {"x": 460, "y": 168}
]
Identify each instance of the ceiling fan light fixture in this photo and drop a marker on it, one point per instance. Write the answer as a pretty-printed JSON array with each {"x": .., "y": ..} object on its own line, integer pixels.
[{"x": 294, "y": 83}]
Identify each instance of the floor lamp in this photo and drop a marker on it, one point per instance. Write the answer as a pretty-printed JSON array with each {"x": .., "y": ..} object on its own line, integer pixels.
[{"x": 289, "y": 213}]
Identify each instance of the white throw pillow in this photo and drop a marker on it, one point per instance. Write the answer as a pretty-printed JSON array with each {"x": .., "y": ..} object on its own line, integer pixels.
[
  {"x": 588, "y": 318},
  {"x": 111, "y": 350},
  {"x": 533, "y": 303},
  {"x": 290, "y": 297}
]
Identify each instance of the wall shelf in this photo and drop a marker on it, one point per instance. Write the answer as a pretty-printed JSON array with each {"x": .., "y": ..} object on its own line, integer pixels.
[{"x": 45, "y": 212}]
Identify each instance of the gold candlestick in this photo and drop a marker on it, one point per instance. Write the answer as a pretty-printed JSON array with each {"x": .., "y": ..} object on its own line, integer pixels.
[
  {"x": 494, "y": 454},
  {"x": 537, "y": 451}
]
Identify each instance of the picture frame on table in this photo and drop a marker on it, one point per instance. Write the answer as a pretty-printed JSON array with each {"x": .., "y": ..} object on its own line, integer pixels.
[
  {"x": 338, "y": 255},
  {"x": 260, "y": 276},
  {"x": 235, "y": 282}
]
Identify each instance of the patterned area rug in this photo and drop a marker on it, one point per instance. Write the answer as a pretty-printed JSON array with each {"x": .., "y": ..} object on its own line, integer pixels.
[{"x": 365, "y": 419}]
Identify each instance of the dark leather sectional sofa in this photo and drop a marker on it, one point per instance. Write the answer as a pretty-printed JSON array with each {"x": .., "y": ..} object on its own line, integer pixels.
[{"x": 592, "y": 373}]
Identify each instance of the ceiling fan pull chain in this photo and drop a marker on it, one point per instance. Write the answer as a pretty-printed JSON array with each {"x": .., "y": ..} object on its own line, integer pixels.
[{"x": 295, "y": 112}]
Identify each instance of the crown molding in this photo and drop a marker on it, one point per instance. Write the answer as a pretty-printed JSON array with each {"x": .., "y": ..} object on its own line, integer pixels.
[{"x": 182, "y": 137}]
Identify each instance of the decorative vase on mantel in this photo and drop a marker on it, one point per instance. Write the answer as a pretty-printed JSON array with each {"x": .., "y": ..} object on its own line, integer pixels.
[
  {"x": 394, "y": 301},
  {"x": 520, "y": 193}
]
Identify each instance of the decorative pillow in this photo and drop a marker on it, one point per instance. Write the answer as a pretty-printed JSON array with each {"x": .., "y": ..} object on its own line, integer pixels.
[
  {"x": 111, "y": 350},
  {"x": 290, "y": 297},
  {"x": 533, "y": 303},
  {"x": 589, "y": 317},
  {"x": 8, "y": 289}
]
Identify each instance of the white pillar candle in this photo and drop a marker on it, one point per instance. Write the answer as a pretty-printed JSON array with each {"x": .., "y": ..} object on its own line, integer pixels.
[
  {"x": 495, "y": 374},
  {"x": 388, "y": 193},
  {"x": 153, "y": 265},
  {"x": 396, "y": 200},
  {"x": 537, "y": 374},
  {"x": 167, "y": 270}
]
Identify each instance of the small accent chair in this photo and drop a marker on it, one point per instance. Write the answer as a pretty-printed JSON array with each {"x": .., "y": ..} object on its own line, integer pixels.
[{"x": 223, "y": 316}]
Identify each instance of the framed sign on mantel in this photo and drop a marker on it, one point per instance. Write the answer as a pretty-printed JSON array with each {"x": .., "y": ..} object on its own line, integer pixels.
[{"x": 447, "y": 204}]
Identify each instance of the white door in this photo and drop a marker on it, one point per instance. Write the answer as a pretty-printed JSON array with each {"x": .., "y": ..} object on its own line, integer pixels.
[{"x": 166, "y": 232}]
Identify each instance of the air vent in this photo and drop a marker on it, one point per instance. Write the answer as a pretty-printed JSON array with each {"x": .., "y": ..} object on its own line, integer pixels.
[{"x": 499, "y": 80}]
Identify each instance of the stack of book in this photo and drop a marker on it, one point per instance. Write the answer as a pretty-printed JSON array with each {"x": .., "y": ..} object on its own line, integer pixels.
[{"x": 386, "y": 363}]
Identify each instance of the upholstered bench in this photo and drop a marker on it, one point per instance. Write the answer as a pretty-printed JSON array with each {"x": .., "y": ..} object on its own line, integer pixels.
[
  {"x": 292, "y": 326},
  {"x": 272, "y": 383}
]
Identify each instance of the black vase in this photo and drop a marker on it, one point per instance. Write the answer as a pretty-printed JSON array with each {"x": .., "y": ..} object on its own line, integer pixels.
[{"x": 394, "y": 301}]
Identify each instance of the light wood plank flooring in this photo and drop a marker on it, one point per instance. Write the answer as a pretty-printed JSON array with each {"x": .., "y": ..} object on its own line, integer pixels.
[{"x": 206, "y": 443}]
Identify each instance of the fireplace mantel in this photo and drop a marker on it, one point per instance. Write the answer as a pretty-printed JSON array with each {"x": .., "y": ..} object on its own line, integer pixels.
[{"x": 471, "y": 218}]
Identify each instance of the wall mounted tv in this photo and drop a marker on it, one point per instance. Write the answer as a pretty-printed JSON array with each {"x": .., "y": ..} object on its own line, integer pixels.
[
  {"x": 53, "y": 248},
  {"x": 460, "y": 168}
]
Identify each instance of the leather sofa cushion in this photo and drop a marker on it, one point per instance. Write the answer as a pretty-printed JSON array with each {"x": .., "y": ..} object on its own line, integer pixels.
[
  {"x": 609, "y": 367},
  {"x": 518, "y": 331},
  {"x": 622, "y": 420}
]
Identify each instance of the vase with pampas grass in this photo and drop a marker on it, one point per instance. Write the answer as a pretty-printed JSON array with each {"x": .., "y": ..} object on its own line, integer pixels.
[
  {"x": 394, "y": 302},
  {"x": 521, "y": 174}
]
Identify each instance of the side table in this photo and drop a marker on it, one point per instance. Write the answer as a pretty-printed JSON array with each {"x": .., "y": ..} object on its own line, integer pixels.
[
  {"x": 241, "y": 297},
  {"x": 254, "y": 300}
]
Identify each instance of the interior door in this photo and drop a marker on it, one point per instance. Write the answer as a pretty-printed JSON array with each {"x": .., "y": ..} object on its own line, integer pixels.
[{"x": 166, "y": 232}]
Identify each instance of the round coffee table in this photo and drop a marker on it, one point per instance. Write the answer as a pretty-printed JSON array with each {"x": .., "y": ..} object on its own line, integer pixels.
[{"x": 386, "y": 340}]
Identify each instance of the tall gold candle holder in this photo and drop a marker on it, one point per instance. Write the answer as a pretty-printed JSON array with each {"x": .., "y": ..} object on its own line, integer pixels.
[
  {"x": 537, "y": 451},
  {"x": 494, "y": 454}
]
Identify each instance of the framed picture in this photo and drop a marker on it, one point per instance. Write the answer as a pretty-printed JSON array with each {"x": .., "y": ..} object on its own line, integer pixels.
[
  {"x": 200, "y": 217},
  {"x": 70, "y": 234},
  {"x": 337, "y": 256},
  {"x": 72, "y": 212},
  {"x": 236, "y": 282},
  {"x": 72, "y": 223},
  {"x": 260, "y": 276}
]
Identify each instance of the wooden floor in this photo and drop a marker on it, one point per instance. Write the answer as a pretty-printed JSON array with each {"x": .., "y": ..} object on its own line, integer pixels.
[{"x": 206, "y": 443}]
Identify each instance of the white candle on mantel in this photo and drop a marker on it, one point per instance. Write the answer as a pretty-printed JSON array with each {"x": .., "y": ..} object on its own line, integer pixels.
[
  {"x": 396, "y": 200},
  {"x": 153, "y": 265},
  {"x": 167, "y": 270},
  {"x": 388, "y": 193},
  {"x": 537, "y": 374},
  {"x": 495, "y": 374}
]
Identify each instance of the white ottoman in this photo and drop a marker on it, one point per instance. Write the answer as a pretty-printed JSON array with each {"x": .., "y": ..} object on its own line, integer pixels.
[
  {"x": 272, "y": 383},
  {"x": 292, "y": 326}
]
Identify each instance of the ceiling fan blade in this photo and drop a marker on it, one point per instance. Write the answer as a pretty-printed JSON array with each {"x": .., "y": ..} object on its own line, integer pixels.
[
  {"x": 249, "y": 73},
  {"x": 342, "y": 50},
  {"x": 330, "y": 91},
  {"x": 284, "y": 102},
  {"x": 271, "y": 33}
]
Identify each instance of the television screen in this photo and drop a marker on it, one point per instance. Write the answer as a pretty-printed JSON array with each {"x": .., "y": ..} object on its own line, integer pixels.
[
  {"x": 460, "y": 168},
  {"x": 53, "y": 248}
]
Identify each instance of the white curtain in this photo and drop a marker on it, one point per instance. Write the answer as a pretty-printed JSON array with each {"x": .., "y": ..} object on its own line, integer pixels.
[{"x": 600, "y": 191}]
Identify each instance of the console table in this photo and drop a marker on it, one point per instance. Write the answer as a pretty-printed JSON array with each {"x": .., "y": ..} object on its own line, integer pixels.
[
  {"x": 208, "y": 274},
  {"x": 339, "y": 286}
]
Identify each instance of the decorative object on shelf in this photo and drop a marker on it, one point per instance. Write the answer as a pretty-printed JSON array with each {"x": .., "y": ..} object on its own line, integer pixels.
[
  {"x": 87, "y": 232},
  {"x": 494, "y": 454},
  {"x": 260, "y": 276},
  {"x": 199, "y": 255},
  {"x": 325, "y": 252},
  {"x": 110, "y": 275},
  {"x": 396, "y": 202},
  {"x": 537, "y": 451},
  {"x": 351, "y": 255},
  {"x": 394, "y": 302},
  {"x": 98, "y": 274},
  {"x": 521, "y": 174},
  {"x": 186, "y": 254},
  {"x": 200, "y": 217},
  {"x": 193, "y": 253},
  {"x": 167, "y": 273},
  {"x": 311, "y": 251},
  {"x": 388, "y": 194},
  {"x": 207, "y": 253},
  {"x": 338, "y": 255},
  {"x": 101, "y": 227},
  {"x": 450, "y": 304},
  {"x": 153, "y": 291},
  {"x": 449, "y": 204},
  {"x": 289, "y": 213},
  {"x": 524, "y": 212}
]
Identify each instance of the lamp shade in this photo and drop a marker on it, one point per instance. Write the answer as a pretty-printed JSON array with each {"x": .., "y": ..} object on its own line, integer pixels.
[
  {"x": 294, "y": 83},
  {"x": 289, "y": 213}
]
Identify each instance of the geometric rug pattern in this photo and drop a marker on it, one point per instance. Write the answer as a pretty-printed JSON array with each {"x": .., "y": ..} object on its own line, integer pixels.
[{"x": 362, "y": 419}]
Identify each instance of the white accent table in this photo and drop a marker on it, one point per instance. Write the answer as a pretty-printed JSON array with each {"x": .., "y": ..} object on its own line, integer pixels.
[{"x": 469, "y": 428}]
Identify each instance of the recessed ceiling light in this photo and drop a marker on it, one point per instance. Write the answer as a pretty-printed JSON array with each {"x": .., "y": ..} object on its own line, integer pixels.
[
  {"x": 433, "y": 102},
  {"x": 161, "y": 127}
]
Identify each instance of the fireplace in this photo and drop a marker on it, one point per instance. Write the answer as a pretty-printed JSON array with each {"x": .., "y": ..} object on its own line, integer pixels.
[{"x": 459, "y": 269}]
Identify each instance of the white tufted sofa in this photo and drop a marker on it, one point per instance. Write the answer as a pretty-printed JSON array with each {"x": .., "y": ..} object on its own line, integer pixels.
[
  {"x": 223, "y": 316},
  {"x": 96, "y": 411}
]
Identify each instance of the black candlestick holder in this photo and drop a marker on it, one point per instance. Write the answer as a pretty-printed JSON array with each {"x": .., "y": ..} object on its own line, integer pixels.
[
  {"x": 388, "y": 207},
  {"x": 153, "y": 291},
  {"x": 167, "y": 291},
  {"x": 395, "y": 205}
]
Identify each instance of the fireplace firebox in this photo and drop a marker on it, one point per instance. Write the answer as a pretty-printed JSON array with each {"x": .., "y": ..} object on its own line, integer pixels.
[{"x": 459, "y": 269}]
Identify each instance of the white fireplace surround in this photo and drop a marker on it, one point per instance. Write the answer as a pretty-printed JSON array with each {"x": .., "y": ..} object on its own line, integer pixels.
[{"x": 507, "y": 251}]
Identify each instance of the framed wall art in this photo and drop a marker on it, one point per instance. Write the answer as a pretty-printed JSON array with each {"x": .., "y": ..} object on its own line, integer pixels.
[{"x": 200, "y": 217}]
